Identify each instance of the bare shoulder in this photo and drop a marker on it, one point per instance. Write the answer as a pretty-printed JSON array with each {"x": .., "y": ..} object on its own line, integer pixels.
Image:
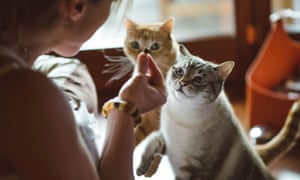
[
  {"x": 28, "y": 94},
  {"x": 37, "y": 128}
]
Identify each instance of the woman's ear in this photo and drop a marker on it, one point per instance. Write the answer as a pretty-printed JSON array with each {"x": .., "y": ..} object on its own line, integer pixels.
[{"x": 74, "y": 9}]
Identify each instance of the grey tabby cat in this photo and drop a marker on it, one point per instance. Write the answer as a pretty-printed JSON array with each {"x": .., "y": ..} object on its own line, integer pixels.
[{"x": 199, "y": 132}]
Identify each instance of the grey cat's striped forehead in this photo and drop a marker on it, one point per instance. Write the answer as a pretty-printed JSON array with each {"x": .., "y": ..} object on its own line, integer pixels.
[{"x": 193, "y": 62}]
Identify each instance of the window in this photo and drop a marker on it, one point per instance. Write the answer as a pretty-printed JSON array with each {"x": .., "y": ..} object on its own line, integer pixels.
[{"x": 292, "y": 25}]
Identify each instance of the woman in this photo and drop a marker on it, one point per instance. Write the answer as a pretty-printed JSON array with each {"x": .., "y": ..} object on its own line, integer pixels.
[{"x": 38, "y": 135}]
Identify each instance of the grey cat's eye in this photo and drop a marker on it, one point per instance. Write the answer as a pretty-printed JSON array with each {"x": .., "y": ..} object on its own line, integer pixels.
[
  {"x": 134, "y": 45},
  {"x": 155, "y": 46},
  {"x": 178, "y": 71},
  {"x": 198, "y": 80}
]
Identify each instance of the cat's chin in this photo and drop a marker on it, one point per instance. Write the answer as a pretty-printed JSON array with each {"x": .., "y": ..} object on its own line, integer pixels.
[
  {"x": 179, "y": 94},
  {"x": 191, "y": 98}
]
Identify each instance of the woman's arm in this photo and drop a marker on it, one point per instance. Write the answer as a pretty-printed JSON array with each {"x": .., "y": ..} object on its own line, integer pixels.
[
  {"x": 116, "y": 162},
  {"x": 145, "y": 89}
]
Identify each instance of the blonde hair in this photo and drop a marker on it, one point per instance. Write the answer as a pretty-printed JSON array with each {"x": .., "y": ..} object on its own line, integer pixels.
[{"x": 117, "y": 16}]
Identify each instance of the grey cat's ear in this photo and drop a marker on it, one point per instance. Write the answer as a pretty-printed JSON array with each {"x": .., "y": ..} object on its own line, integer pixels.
[
  {"x": 168, "y": 25},
  {"x": 225, "y": 69},
  {"x": 183, "y": 50},
  {"x": 130, "y": 25}
]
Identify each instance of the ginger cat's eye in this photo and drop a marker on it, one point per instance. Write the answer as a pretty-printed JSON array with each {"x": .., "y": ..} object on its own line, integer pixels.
[
  {"x": 155, "y": 46},
  {"x": 135, "y": 45}
]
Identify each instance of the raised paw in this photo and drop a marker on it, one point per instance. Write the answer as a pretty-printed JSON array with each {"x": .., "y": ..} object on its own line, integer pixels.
[
  {"x": 144, "y": 166},
  {"x": 149, "y": 170}
]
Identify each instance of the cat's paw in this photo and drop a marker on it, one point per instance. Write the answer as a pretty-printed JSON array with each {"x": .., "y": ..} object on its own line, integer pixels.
[
  {"x": 144, "y": 166},
  {"x": 149, "y": 169}
]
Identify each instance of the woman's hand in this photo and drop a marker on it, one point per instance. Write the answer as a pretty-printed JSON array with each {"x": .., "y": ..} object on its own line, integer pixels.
[{"x": 145, "y": 89}]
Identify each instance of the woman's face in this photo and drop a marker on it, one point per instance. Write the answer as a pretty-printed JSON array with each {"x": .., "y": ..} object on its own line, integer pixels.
[{"x": 93, "y": 16}]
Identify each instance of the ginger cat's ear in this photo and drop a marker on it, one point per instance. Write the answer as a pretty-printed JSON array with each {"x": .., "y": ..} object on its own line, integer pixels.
[
  {"x": 168, "y": 24},
  {"x": 130, "y": 25},
  {"x": 225, "y": 69}
]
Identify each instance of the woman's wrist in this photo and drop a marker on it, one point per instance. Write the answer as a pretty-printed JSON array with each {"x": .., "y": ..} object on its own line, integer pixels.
[{"x": 121, "y": 105}]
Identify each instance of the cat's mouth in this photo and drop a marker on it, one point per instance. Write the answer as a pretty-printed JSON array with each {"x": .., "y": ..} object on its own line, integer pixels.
[{"x": 180, "y": 91}]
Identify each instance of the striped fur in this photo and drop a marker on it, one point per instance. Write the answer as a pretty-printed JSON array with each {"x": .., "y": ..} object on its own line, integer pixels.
[
  {"x": 199, "y": 131},
  {"x": 285, "y": 139}
]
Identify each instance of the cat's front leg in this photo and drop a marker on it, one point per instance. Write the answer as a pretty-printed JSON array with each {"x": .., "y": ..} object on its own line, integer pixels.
[{"x": 155, "y": 147}]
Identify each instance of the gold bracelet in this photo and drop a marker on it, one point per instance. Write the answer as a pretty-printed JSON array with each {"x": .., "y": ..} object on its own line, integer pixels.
[{"x": 123, "y": 106}]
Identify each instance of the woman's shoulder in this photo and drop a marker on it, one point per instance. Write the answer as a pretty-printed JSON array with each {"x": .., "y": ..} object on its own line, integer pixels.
[
  {"x": 12, "y": 176},
  {"x": 17, "y": 80},
  {"x": 36, "y": 121},
  {"x": 28, "y": 95}
]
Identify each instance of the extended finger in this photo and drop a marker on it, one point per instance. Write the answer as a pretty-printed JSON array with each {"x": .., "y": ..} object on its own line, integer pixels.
[
  {"x": 156, "y": 74},
  {"x": 142, "y": 63}
]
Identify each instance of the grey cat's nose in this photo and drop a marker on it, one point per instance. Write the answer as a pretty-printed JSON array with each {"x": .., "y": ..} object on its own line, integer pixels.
[
  {"x": 183, "y": 83},
  {"x": 146, "y": 51}
]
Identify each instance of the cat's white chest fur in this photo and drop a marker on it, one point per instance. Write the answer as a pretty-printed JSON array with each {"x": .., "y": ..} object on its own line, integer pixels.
[{"x": 188, "y": 129}]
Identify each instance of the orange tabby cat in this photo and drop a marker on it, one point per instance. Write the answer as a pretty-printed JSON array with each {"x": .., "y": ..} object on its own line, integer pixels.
[{"x": 157, "y": 40}]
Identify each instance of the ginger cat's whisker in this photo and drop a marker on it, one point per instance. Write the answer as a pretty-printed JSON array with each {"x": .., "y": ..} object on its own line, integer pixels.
[{"x": 157, "y": 40}]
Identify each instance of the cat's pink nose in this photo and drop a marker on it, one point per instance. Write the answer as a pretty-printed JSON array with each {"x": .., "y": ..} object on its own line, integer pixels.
[{"x": 183, "y": 83}]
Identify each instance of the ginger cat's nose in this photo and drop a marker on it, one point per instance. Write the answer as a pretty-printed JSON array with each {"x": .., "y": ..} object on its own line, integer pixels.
[{"x": 146, "y": 51}]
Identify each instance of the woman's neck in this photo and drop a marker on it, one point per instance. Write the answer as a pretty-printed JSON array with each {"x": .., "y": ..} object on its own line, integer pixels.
[
  {"x": 32, "y": 43},
  {"x": 27, "y": 52}
]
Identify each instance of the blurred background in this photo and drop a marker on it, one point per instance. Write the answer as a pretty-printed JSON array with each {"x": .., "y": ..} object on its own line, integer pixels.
[{"x": 266, "y": 54}]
